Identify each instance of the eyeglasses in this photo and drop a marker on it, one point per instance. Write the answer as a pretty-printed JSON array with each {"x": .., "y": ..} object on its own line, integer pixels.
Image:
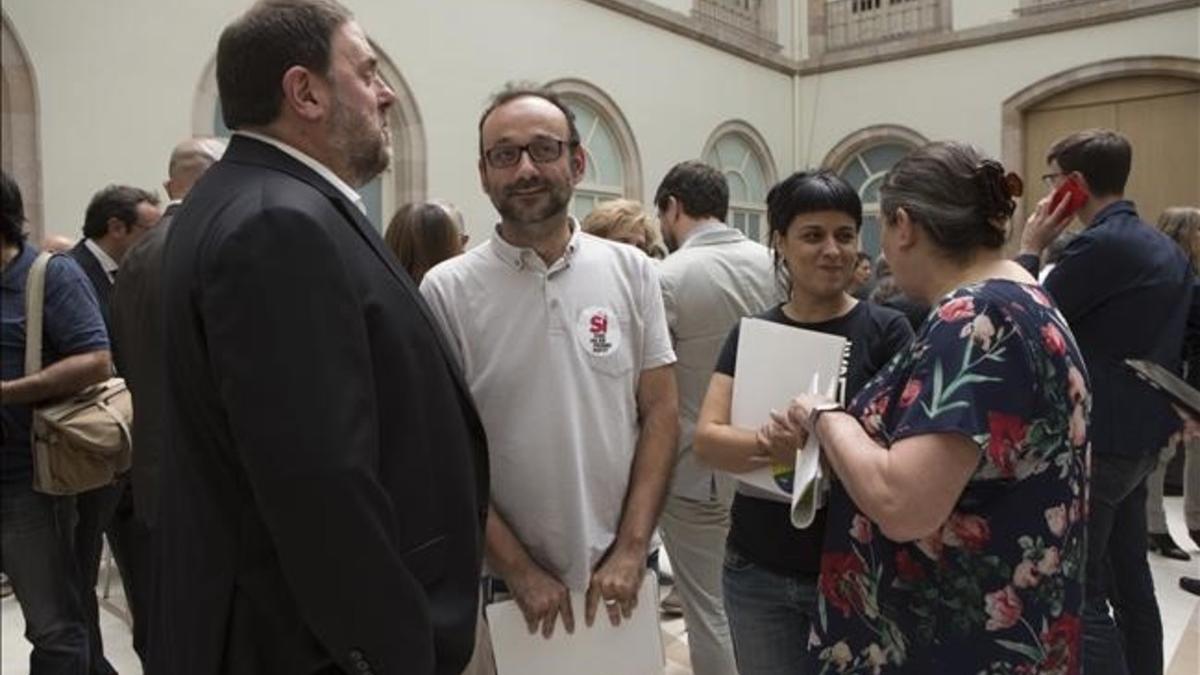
[
  {"x": 542, "y": 150},
  {"x": 1048, "y": 178}
]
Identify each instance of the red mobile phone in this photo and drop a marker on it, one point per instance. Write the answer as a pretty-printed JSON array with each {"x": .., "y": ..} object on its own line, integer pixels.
[{"x": 1072, "y": 191}]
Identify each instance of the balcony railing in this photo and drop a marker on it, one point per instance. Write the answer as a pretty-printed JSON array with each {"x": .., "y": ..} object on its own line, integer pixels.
[
  {"x": 852, "y": 23},
  {"x": 743, "y": 21}
]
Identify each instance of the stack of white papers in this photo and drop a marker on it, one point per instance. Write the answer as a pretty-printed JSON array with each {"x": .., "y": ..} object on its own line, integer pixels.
[{"x": 775, "y": 363}]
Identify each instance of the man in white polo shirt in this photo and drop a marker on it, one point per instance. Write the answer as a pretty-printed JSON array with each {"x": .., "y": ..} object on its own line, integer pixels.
[{"x": 563, "y": 340}]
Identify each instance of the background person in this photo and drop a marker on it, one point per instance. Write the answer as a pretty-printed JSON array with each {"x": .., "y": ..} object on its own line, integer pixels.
[
  {"x": 771, "y": 567},
  {"x": 862, "y": 283},
  {"x": 714, "y": 277},
  {"x": 423, "y": 234},
  {"x": 1119, "y": 274},
  {"x": 955, "y": 535},
  {"x": 1181, "y": 224},
  {"x": 622, "y": 220},
  {"x": 35, "y": 528},
  {"x": 117, "y": 218},
  {"x": 136, "y": 313}
]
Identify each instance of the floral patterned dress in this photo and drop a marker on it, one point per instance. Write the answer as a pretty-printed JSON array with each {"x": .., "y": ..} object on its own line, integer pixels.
[{"x": 999, "y": 587}]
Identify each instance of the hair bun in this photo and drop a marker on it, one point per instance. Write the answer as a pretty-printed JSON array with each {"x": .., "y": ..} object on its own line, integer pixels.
[{"x": 996, "y": 190}]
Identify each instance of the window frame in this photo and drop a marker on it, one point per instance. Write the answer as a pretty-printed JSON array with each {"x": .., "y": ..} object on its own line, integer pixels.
[
  {"x": 406, "y": 177},
  {"x": 759, "y": 151}
]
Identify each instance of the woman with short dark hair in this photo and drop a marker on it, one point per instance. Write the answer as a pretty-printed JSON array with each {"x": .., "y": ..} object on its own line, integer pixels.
[
  {"x": 770, "y": 573},
  {"x": 955, "y": 535}
]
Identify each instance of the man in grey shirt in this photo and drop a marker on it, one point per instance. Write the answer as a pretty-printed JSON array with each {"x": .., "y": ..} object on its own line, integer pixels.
[
  {"x": 715, "y": 277},
  {"x": 563, "y": 342}
]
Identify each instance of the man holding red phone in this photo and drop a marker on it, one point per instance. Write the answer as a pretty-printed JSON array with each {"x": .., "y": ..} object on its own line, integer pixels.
[{"x": 1125, "y": 289}]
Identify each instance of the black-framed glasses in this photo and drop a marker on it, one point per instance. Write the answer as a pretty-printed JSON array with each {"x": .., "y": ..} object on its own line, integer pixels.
[{"x": 541, "y": 150}]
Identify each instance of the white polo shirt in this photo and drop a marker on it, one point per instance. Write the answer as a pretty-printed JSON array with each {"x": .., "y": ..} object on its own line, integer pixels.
[{"x": 553, "y": 356}]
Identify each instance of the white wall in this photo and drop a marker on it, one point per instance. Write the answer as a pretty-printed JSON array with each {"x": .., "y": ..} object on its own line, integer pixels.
[
  {"x": 681, "y": 6},
  {"x": 958, "y": 94},
  {"x": 117, "y": 81}
]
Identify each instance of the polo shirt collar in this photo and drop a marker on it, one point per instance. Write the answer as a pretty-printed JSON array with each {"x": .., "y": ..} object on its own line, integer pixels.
[
  {"x": 109, "y": 265},
  {"x": 320, "y": 169},
  {"x": 521, "y": 257}
]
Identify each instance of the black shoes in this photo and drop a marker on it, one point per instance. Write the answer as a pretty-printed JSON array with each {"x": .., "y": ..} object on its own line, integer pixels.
[
  {"x": 1190, "y": 584},
  {"x": 1165, "y": 546}
]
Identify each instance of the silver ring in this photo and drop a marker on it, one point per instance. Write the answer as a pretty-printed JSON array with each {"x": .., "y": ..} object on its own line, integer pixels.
[{"x": 610, "y": 603}]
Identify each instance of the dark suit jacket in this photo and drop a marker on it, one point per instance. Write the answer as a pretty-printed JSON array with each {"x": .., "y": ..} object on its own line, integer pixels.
[
  {"x": 1125, "y": 290},
  {"x": 136, "y": 314},
  {"x": 324, "y": 483},
  {"x": 95, "y": 273}
]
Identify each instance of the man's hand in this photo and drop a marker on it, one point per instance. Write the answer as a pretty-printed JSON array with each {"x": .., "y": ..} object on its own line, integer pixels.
[
  {"x": 541, "y": 598},
  {"x": 1044, "y": 226},
  {"x": 616, "y": 582}
]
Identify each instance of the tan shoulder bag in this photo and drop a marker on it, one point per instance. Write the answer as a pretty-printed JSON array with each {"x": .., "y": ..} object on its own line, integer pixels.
[{"x": 82, "y": 441}]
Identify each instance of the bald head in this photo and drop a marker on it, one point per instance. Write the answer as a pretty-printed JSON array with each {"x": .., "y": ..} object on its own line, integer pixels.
[{"x": 189, "y": 160}]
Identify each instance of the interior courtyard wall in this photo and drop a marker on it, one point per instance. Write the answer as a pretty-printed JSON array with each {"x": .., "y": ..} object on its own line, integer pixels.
[
  {"x": 118, "y": 80},
  {"x": 959, "y": 94}
]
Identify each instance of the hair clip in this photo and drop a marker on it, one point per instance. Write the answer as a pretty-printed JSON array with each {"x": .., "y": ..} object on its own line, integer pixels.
[{"x": 1013, "y": 185}]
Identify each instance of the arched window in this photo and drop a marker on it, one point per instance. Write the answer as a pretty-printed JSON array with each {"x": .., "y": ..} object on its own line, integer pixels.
[
  {"x": 613, "y": 169},
  {"x": 19, "y": 154},
  {"x": 404, "y": 179},
  {"x": 740, "y": 153},
  {"x": 863, "y": 159}
]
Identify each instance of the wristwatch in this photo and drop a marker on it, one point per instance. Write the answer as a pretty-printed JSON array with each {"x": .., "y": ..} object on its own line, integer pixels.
[{"x": 821, "y": 409}]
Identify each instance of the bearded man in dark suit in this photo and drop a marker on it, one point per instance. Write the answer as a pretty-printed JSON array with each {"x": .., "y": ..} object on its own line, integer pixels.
[{"x": 324, "y": 482}]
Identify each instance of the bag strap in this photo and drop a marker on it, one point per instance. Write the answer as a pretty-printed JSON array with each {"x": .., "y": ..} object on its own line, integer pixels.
[{"x": 35, "y": 295}]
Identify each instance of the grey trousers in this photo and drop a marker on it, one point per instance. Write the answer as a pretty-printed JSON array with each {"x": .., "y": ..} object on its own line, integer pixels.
[
  {"x": 694, "y": 533},
  {"x": 1156, "y": 518}
]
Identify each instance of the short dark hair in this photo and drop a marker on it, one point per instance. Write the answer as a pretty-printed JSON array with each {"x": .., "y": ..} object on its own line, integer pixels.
[
  {"x": 114, "y": 201},
  {"x": 702, "y": 191},
  {"x": 863, "y": 255},
  {"x": 955, "y": 192},
  {"x": 422, "y": 234},
  {"x": 259, "y": 47},
  {"x": 12, "y": 210},
  {"x": 807, "y": 192},
  {"x": 515, "y": 90},
  {"x": 1103, "y": 157}
]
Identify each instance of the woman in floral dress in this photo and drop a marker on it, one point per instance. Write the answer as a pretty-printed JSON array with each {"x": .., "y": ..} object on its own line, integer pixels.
[{"x": 955, "y": 535}]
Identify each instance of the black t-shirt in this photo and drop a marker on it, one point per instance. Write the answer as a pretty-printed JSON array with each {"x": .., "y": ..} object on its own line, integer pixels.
[{"x": 761, "y": 530}]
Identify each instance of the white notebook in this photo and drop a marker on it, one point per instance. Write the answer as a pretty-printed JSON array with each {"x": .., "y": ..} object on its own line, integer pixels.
[
  {"x": 633, "y": 648},
  {"x": 775, "y": 363}
]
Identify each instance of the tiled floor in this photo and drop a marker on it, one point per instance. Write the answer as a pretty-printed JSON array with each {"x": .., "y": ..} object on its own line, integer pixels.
[{"x": 1180, "y": 612}]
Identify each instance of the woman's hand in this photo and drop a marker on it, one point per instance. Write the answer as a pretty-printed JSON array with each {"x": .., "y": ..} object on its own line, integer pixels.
[
  {"x": 801, "y": 408},
  {"x": 780, "y": 439}
]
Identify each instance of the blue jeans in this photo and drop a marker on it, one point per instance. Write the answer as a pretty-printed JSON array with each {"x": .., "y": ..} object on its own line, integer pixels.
[
  {"x": 769, "y": 617},
  {"x": 94, "y": 513},
  {"x": 35, "y": 553},
  {"x": 1129, "y": 641}
]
